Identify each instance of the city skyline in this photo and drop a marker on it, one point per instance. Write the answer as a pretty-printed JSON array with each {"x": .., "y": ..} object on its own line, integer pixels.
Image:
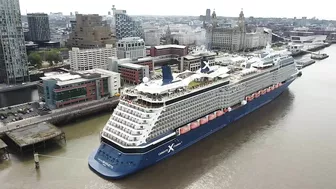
[{"x": 258, "y": 8}]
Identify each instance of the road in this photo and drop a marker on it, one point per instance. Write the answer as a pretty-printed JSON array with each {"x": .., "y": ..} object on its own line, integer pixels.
[{"x": 6, "y": 88}]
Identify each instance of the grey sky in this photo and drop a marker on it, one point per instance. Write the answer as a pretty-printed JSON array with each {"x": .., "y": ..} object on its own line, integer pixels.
[{"x": 257, "y": 8}]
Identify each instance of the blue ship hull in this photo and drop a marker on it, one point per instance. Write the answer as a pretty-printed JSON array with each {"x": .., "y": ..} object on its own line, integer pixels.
[{"x": 111, "y": 163}]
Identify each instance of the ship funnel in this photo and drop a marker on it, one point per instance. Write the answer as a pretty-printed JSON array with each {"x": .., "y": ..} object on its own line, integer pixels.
[
  {"x": 205, "y": 65},
  {"x": 167, "y": 76}
]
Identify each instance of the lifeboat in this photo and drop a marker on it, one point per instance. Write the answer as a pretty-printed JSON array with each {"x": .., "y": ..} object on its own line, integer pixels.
[
  {"x": 257, "y": 95},
  {"x": 211, "y": 117},
  {"x": 263, "y": 92},
  {"x": 272, "y": 88},
  {"x": 184, "y": 129},
  {"x": 249, "y": 98},
  {"x": 280, "y": 84},
  {"x": 219, "y": 113},
  {"x": 203, "y": 121},
  {"x": 225, "y": 110},
  {"x": 268, "y": 90},
  {"x": 194, "y": 125},
  {"x": 276, "y": 86}
]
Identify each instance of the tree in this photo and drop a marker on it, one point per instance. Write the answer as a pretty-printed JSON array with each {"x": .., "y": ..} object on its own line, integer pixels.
[
  {"x": 35, "y": 59},
  {"x": 176, "y": 42},
  {"x": 53, "y": 56}
]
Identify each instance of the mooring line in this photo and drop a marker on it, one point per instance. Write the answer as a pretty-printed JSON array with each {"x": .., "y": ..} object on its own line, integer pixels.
[{"x": 61, "y": 157}]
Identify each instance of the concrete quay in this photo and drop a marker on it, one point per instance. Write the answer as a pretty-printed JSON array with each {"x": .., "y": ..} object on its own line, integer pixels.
[{"x": 64, "y": 115}]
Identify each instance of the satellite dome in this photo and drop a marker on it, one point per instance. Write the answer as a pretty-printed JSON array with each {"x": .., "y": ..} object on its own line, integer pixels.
[{"x": 145, "y": 79}]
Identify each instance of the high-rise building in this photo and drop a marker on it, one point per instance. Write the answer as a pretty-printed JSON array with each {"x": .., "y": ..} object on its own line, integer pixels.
[
  {"x": 126, "y": 26},
  {"x": 13, "y": 57},
  {"x": 208, "y": 15},
  {"x": 131, "y": 47},
  {"x": 88, "y": 59},
  {"x": 39, "y": 27},
  {"x": 90, "y": 32}
]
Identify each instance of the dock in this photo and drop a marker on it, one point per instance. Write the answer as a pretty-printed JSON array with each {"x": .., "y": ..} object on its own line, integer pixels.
[
  {"x": 34, "y": 136},
  {"x": 302, "y": 63},
  {"x": 4, "y": 154}
]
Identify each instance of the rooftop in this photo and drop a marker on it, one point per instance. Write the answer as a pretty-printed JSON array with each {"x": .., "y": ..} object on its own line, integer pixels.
[
  {"x": 34, "y": 134},
  {"x": 131, "y": 65},
  {"x": 170, "y": 46},
  {"x": 79, "y": 76},
  {"x": 130, "y": 39}
]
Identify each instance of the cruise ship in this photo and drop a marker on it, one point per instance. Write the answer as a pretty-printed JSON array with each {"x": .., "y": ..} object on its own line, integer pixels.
[{"x": 159, "y": 118}]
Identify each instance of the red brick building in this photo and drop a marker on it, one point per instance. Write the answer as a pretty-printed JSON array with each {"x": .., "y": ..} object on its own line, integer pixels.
[{"x": 162, "y": 50}]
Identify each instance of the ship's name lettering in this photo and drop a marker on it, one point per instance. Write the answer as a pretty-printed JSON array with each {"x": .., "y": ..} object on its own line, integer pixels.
[{"x": 105, "y": 163}]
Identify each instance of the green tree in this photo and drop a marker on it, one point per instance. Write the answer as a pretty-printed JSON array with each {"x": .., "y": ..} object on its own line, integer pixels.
[
  {"x": 176, "y": 42},
  {"x": 53, "y": 56},
  {"x": 35, "y": 59}
]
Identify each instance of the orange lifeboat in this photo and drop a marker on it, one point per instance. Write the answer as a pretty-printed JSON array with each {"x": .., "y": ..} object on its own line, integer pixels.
[
  {"x": 203, "y": 121},
  {"x": 225, "y": 110},
  {"x": 219, "y": 113},
  {"x": 263, "y": 92},
  {"x": 249, "y": 98},
  {"x": 184, "y": 129},
  {"x": 211, "y": 117},
  {"x": 257, "y": 95},
  {"x": 280, "y": 84},
  {"x": 272, "y": 88},
  {"x": 276, "y": 86},
  {"x": 194, "y": 125}
]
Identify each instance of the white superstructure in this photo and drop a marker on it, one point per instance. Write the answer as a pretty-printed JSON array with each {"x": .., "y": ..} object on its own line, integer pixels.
[{"x": 155, "y": 110}]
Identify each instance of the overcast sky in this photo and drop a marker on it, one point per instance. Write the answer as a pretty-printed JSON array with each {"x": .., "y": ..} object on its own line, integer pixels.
[{"x": 322, "y": 9}]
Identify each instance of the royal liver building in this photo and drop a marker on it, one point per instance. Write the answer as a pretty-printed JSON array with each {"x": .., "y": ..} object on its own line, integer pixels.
[{"x": 235, "y": 38}]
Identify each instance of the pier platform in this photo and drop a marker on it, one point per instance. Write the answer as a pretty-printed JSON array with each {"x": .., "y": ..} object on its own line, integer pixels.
[
  {"x": 34, "y": 136},
  {"x": 4, "y": 154}
]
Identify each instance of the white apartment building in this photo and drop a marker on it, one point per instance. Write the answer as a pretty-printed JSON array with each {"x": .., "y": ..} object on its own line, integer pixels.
[
  {"x": 131, "y": 47},
  {"x": 193, "y": 37},
  {"x": 88, "y": 59}
]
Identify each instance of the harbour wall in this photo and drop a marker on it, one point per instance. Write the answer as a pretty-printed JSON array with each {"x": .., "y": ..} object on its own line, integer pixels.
[{"x": 65, "y": 115}]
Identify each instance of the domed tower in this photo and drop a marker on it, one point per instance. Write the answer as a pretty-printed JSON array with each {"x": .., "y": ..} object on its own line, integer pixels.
[
  {"x": 242, "y": 30},
  {"x": 214, "y": 19},
  {"x": 241, "y": 21}
]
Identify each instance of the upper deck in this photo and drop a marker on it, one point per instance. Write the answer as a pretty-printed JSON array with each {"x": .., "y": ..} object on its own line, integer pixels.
[{"x": 185, "y": 83}]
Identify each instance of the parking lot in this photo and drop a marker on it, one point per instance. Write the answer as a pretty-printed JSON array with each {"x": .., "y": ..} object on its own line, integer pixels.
[{"x": 19, "y": 112}]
